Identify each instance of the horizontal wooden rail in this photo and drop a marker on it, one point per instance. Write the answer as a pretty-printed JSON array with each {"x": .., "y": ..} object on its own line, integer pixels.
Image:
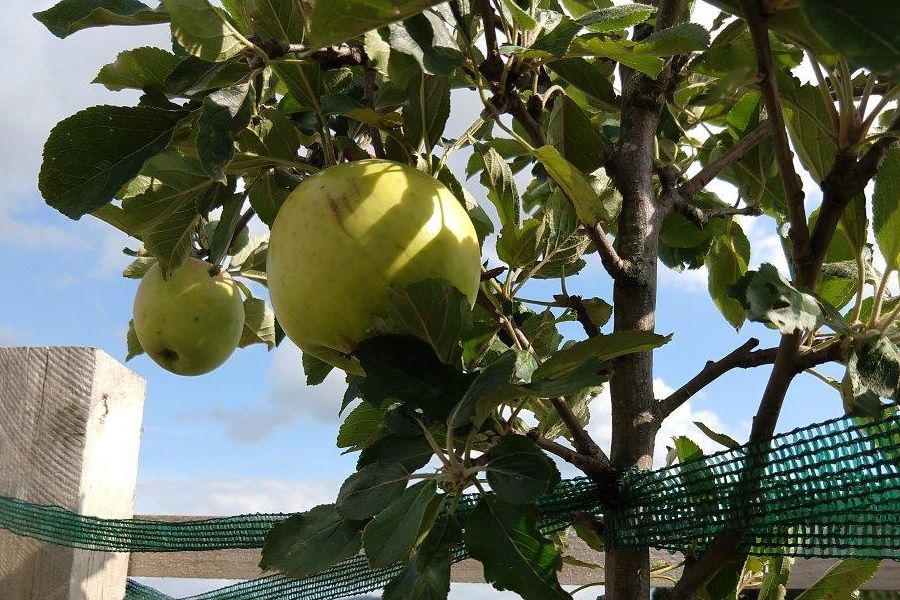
[{"x": 243, "y": 564}]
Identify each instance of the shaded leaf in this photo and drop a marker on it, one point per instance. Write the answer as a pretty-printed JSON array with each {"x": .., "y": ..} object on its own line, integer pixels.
[
  {"x": 224, "y": 114},
  {"x": 432, "y": 310},
  {"x": 574, "y": 184},
  {"x": 412, "y": 453},
  {"x": 92, "y": 154},
  {"x": 259, "y": 324},
  {"x": 144, "y": 68},
  {"x": 369, "y": 491},
  {"x": 336, "y": 21},
  {"x": 315, "y": 369},
  {"x": 514, "y": 553},
  {"x": 427, "y": 112},
  {"x": 69, "y": 16},
  {"x": 518, "y": 471},
  {"x": 203, "y": 30},
  {"x": 726, "y": 440},
  {"x": 886, "y": 208},
  {"x": 425, "y": 38},
  {"x": 392, "y": 533},
  {"x": 867, "y": 33},
  {"x": 570, "y": 131},
  {"x": 132, "y": 342},
  {"x": 726, "y": 263},
  {"x": 310, "y": 542},
  {"x": 407, "y": 369},
  {"x": 842, "y": 580},
  {"x": 774, "y": 585},
  {"x": 427, "y": 576},
  {"x": 502, "y": 192}
]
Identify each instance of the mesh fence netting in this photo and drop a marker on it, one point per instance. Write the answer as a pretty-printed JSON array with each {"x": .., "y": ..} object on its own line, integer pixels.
[{"x": 827, "y": 490}]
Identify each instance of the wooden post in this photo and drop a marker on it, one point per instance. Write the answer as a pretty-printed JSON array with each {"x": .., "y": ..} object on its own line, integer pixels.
[{"x": 70, "y": 427}]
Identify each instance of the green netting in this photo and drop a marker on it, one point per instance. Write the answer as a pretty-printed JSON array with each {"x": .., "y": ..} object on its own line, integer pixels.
[{"x": 827, "y": 490}]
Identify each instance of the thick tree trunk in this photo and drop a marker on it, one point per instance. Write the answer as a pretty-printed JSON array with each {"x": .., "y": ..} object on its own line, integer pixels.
[{"x": 633, "y": 424}]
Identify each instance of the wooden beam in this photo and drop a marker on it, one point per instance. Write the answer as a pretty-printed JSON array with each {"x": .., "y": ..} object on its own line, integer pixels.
[
  {"x": 243, "y": 564},
  {"x": 70, "y": 428}
]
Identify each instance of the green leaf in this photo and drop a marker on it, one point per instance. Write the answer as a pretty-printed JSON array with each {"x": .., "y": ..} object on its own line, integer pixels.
[
  {"x": 551, "y": 425},
  {"x": 392, "y": 533},
  {"x": 587, "y": 77},
  {"x": 432, "y": 310},
  {"x": 574, "y": 184},
  {"x": 336, "y": 21},
  {"x": 875, "y": 366},
  {"x": 163, "y": 203},
  {"x": 811, "y": 131},
  {"x": 683, "y": 38},
  {"x": 520, "y": 246},
  {"x": 259, "y": 324},
  {"x": 518, "y": 471},
  {"x": 868, "y": 33},
  {"x": 92, "y": 154},
  {"x": 425, "y": 38},
  {"x": 522, "y": 19},
  {"x": 627, "y": 54},
  {"x": 69, "y": 16},
  {"x": 139, "y": 267},
  {"x": 362, "y": 427},
  {"x": 583, "y": 359},
  {"x": 269, "y": 193},
  {"x": 726, "y": 263},
  {"x": 768, "y": 298},
  {"x": 203, "y": 30},
  {"x": 225, "y": 113},
  {"x": 426, "y": 114},
  {"x": 427, "y": 576},
  {"x": 586, "y": 529},
  {"x": 412, "y": 453},
  {"x": 492, "y": 379},
  {"x": 369, "y": 491},
  {"x": 407, "y": 369},
  {"x": 144, "y": 68},
  {"x": 316, "y": 370},
  {"x": 497, "y": 177},
  {"x": 224, "y": 230},
  {"x": 514, "y": 553},
  {"x": 886, "y": 208},
  {"x": 133, "y": 343},
  {"x": 842, "y": 580},
  {"x": 280, "y": 20},
  {"x": 557, "y": 41},
  {"x": 686, "y": 449},
  {"x": 569, "y": 130},
  {"x": 615, "y": 18},
  {"x": 193, "y": 76},
  {"x": 310, "y": 542},
  {"x": 778, "y": 572},
  {"x": 726, "y": 440}
]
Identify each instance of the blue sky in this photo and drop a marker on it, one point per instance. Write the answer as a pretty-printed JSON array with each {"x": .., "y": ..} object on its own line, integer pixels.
[{"x": 251, "y": 436}]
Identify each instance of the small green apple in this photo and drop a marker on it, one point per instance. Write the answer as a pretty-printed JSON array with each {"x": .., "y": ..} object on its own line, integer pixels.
[
  {"x": 347, "y": 235},
  {"x": 190, "y": 323}
]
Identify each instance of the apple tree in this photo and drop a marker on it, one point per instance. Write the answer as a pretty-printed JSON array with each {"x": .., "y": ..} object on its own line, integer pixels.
[{"x": 616, "y": 117}]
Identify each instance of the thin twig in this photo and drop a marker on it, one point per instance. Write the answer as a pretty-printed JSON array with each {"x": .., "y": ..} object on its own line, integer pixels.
[
  {"x": 582, "y": 440},
  {"x": 728, "y": 158},
  {"x": 576, "y": 304},
  {"x": 614, "y": 264},
  {"x": 583, "y": 462},
  {"x": 768, "y": 85}
]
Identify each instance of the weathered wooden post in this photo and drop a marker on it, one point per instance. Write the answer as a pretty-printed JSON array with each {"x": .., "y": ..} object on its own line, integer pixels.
[{"x": 70, "y": 428}]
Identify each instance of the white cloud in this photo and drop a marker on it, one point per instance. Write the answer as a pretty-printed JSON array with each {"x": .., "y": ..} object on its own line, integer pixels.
[
  {"x": 232, "y": 496},
  {"x": 286, "y": 400},
  {"x": 680, "y": 422}
]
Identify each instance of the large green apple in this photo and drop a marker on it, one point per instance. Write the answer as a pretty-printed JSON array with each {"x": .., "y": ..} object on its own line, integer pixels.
[
  {"x": 347, "y": 235},
  {"x": 190, "y": 323}
]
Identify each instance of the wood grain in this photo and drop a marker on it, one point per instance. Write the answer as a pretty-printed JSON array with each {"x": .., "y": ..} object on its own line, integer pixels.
[{"x": 70, "y": 422}]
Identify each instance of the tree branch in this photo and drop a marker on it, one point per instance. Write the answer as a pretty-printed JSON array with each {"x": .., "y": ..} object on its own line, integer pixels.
[
  {"x": 582, "y": 440},
  {"x": 768, "y": 85},
  {"x": 701, "y": 216},
  {"x": 585, "y": 463},
  {"x": 576, "y": 304},
  {"x": 615, "y": 265},
  {"x": 728, "y": 158},
  {"x": 744, "y": 357}
]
